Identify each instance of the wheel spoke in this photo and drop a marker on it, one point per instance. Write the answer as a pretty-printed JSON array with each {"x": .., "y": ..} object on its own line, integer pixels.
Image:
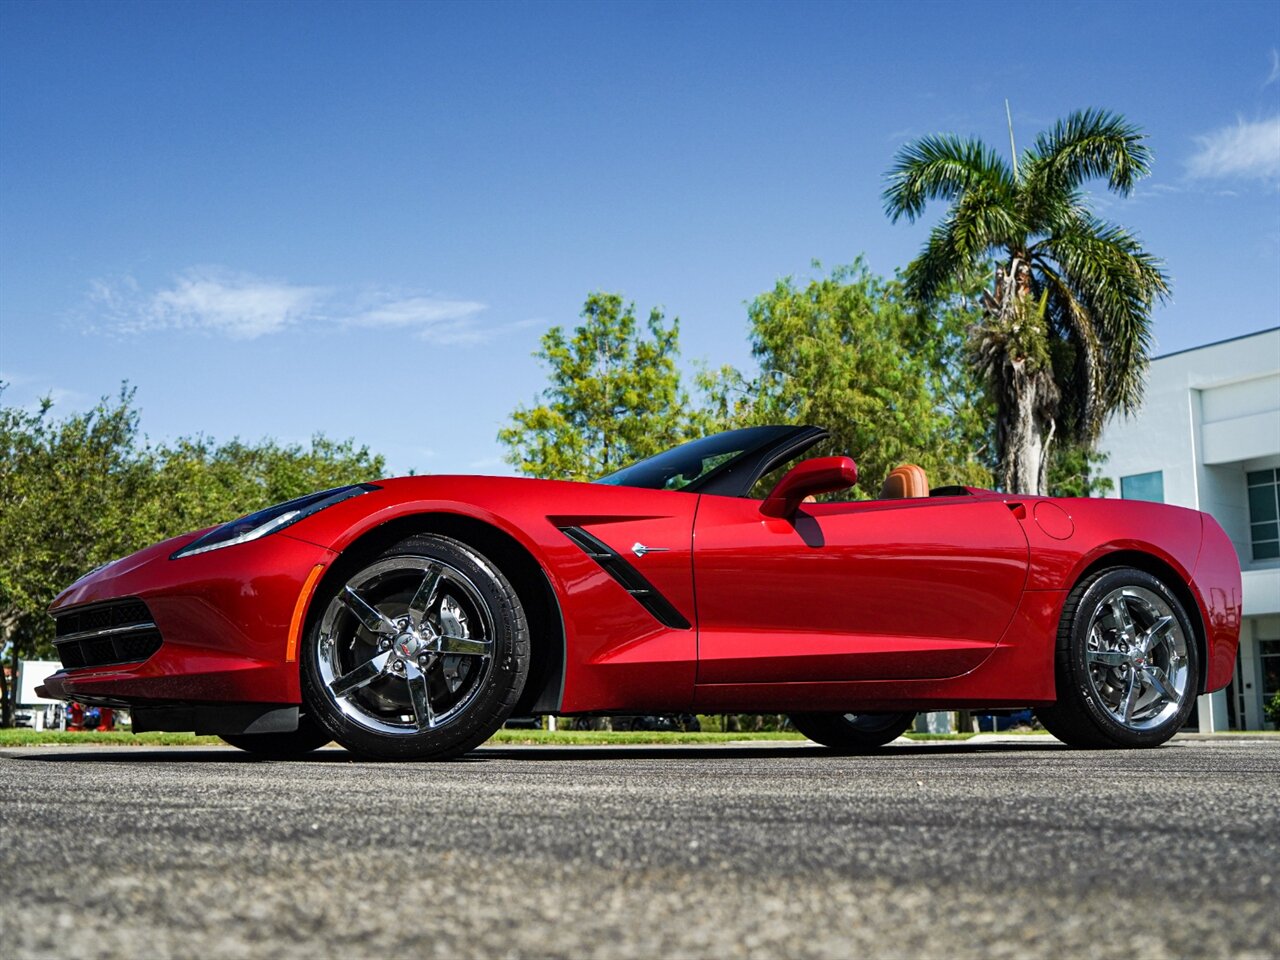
[
  {"x": 361, "y": 676},
  {"x": 420, "y": 696},
  {"x": 469, "y": 646},
  {"x": 1130, "y": 698},
  {"x": 1124, "y": 622},
  {"x": 1160, "y": 683},
  {"x": 1153, "y": 633},
  {"x": 1110, "y": 658},
  {"x": 423, "y": 600},
  {"x": 372, "y": 620}
]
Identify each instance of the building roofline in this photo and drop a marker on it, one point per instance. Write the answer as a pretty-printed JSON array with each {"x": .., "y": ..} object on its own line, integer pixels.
[{"x": 1216, "y": 343}]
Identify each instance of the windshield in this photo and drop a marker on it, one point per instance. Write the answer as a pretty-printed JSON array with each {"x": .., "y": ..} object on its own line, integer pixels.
[{"x": 690, "y": 463}]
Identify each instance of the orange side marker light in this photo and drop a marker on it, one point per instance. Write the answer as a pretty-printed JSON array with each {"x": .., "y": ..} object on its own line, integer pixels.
[{"x": 300, "y": 610}]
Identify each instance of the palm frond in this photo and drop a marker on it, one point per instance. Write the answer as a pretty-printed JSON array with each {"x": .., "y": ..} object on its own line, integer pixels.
[
  {"x": 1073, "y": 323},
  {"x": 937, "y": 265},
  {"x": 980, "y": 222},
  {"x": 1117, "y": 282},
  {"x": 1085, "y": 145},
  {"x": 941, "y": 168},
  {"x": 1052, "y": 211}
]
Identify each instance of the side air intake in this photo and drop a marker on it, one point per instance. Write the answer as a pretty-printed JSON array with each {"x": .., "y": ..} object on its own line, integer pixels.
[{"x": 645, "y": 593}]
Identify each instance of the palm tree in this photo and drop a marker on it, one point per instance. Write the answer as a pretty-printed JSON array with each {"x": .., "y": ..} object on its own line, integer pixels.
[{"x": 1067, "y": 321}]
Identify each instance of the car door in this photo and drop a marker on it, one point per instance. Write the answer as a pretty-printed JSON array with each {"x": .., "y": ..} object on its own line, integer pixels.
[
  {"x": 630, "y": 609},
  {"x": 871, "y": 590}
]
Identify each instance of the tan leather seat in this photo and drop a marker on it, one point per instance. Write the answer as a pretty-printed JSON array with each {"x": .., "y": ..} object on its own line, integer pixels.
[{"x": 905, "y": 481}]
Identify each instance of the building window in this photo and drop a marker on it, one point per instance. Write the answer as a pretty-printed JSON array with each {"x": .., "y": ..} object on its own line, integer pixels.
[
  {"x": 1144, "y": 486},
  {"x": 1264, "y": 513},
  {"x": 1269, "y": 661}
]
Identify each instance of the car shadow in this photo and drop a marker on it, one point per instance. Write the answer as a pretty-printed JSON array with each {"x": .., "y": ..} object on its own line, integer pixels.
[
  {"x": 730, "y": 751},
  {"x": 533, "y": 753}
]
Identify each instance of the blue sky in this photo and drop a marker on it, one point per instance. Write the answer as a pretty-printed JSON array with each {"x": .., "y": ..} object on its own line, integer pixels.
[{"x": 276, "y": 219}]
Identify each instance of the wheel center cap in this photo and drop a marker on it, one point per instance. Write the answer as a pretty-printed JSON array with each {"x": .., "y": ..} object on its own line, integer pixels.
[{"x": 407, "y": 645}]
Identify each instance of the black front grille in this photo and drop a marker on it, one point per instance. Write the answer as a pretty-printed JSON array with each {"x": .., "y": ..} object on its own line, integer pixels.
[
  {"x": 118, "y": 632},
  {"x": 102, "y": 616}
]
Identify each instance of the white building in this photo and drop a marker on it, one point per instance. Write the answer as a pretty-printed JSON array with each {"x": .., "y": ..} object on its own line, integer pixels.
[{"x": 1208, "y": 437}]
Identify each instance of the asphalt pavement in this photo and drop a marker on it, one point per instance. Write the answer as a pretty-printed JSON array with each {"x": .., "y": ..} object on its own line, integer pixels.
[{"x": 774, "y": 850}]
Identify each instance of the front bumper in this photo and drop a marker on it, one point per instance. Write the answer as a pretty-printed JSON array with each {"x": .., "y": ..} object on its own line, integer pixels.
[{"x": 224, "y": 619}]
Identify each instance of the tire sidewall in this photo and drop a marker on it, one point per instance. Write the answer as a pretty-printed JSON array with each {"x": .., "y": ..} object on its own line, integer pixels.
[
  {"x": 1078, "y": 670},
  {"x": 492, "y": 703}
]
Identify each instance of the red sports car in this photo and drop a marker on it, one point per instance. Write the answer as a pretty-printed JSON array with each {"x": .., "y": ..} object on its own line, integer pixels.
[{"x": 409, "y": 618}]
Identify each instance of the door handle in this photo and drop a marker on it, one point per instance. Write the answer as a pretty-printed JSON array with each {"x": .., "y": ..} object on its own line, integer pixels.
[{"x": 639, "y": 549}]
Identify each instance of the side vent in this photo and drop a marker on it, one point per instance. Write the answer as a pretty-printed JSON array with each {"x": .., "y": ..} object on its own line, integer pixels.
[{"x": 645, "y": 593}]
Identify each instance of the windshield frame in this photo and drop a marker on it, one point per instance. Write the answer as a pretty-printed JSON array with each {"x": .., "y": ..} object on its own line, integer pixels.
[{"x": 761, "y": 451}]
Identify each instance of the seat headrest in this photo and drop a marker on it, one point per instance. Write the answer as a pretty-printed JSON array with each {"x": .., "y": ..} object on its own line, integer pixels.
[{"x": 905, "y": 481}]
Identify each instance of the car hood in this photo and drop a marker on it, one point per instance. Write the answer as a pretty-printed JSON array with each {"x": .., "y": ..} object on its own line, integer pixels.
[{"x": 124, "y": 565}]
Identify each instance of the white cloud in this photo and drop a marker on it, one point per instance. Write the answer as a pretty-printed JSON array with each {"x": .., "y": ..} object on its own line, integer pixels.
[
  {"x": 1245, "y": 150},
  {"x": 218, "y": 301},
  {"x": 243, "y": 307},
  {"x": 1274, "y": 75},
  {"x": 437, "y": 320}
]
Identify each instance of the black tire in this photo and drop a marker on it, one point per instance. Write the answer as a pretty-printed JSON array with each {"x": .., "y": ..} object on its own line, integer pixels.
[
  {"x": 853, "y": 732},
  {"x": 382, "y": 719},
  {"x": 1085, "y": 714},
  {"x": 308, "y": 738}
]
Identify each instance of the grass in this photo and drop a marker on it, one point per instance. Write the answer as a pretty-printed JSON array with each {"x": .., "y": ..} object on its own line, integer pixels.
[
  {"x": 629, "y": 737},
  {"x": 22, "y": 737}
]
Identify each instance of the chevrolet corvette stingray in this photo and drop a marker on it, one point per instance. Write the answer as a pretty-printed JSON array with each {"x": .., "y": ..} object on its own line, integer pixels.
[{"x": 409, "y": 618}]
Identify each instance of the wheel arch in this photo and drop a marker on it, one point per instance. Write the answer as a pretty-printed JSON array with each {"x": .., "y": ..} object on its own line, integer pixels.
[
  {"x": 1167, "y": 574},
  {"x": 544, "y": 688}
]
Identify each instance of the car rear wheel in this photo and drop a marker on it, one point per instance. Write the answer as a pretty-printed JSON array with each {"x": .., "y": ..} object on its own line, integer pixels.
[
  {"x": 419, "y": 654},
  {"x": 308, "y": 738},
  {"x": 1127, "y": 668},
  {"x": 853, "y": 732}
]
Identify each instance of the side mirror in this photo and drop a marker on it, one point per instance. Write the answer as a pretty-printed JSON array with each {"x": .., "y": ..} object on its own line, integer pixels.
[{"x": 806, "y": 479}]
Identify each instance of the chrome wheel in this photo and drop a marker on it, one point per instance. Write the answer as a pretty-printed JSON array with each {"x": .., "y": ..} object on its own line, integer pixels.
[
  {"x": 405, "y": 646},
  {"x": 1136, "y": 655}
]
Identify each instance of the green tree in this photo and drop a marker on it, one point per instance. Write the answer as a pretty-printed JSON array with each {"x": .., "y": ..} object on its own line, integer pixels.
[
  {"x": 615, "y": 396},
  {"x": 1065, "y": 333},
  {"x": 67, "y": 492},
  {"x": 78, "y": 492},
  {"x": 1074, "y": 472},
  {"x": 850, "y": 353},
  {"x": 1272, "y": 709},
  {"x": 197, "y": 482}
]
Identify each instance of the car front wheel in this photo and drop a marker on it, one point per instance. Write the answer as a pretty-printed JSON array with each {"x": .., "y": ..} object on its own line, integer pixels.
[{"x": 419, "y": 654}]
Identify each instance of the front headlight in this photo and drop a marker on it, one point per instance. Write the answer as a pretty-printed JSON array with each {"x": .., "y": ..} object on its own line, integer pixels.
[{"x": 269, "y": 520}]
